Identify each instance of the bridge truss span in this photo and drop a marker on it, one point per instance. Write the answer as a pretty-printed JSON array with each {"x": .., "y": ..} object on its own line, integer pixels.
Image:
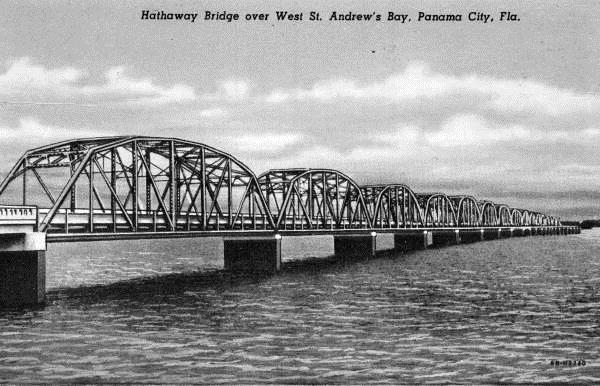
[
  {"x": 134, "y": 184},
  {"x": 504, "y": 215},
  {"x": 137, "y": 184},
  {"x": 468, "y": 211},
  {"x": 310, "y": 199},
  {"x": 438, "y": 210},
  {"x": 393, "y": 206}
]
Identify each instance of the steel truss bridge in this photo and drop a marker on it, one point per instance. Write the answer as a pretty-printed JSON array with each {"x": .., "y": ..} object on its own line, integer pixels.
[
  {"x": 136, "y": 187},
  {"x": 115, "y": 187}
]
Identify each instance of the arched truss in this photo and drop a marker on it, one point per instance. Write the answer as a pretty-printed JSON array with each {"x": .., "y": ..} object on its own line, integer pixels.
[
  {"x": 526, "y": 217},
  {"x": 122, "y": 184},
  {"x": 541, "y": 219},
  {"x": 467, "y": 211},
  {"x": 517, "y": 218},
  {"x": 504, "y": 215},
  {"x": 489, "y": 217},
  {"x": 392, "y": 206},
  {"x": 438, "y": 210},
  {"x": 314, "y": 199}
]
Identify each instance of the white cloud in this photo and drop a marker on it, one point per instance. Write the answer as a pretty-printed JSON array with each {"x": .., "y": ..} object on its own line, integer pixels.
[
  {"x": 212, "y": 113},
  {"x": 24, "y": 79},
  {"x": 405, "y": 135},
  {"x": 465, "y": 130},
  {"x": 23, "y": 75},
  {"x": 263, "y": 142},
  {"x": 235, "y": 89},
  {"x": 474, "y": 130},
  {"x": 232, "y": 90},
  {"x": 419, "y": 82},
  {"x": 31, "y": 130},
  {"x": 591, "y": 132}
]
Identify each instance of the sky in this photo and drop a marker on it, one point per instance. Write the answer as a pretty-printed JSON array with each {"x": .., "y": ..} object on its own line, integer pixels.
[{"x": 505, "y": 110}]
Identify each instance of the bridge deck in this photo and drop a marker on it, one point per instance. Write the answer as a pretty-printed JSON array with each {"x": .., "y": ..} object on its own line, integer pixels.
[{"x": 76, "y": 237}]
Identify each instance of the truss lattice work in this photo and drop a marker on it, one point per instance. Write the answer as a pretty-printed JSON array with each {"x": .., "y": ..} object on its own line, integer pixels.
[{"x": 149, "y": 184}]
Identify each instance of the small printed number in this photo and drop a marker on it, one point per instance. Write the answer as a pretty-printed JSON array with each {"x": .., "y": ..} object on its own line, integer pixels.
[{"x": 557, "y": 363}]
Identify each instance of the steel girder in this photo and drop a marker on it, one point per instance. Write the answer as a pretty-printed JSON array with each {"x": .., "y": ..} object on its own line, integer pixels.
[
  {"x": 134, "y": 183},
  {"x": 517, "y": 218},
  {"x": 467, "y": 210},
  {"x": 438, "y": 210},
  {"x": 314, "y": 199},
  {"x": 489, "y": 217},
  {"x": 503, "y": 215},
  {"x": 393, "y": 206}
]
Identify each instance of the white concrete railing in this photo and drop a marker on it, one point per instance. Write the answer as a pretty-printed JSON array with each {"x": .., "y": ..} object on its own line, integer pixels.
[{"x": 15, "y": 219}]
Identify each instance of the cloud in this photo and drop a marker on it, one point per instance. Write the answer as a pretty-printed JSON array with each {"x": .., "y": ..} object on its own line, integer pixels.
[
  {"x": 25, "y": 79},
  {"x": 474, "y": 130},
  {"x": 469, "y": 129},
  {"x": 419, "y": 82},
  {"x": 232, "y": 90},
  {"x": 212, "y": 113},
  {"x": 263, "y": 142},
  {"x": 31, "y": 130}
]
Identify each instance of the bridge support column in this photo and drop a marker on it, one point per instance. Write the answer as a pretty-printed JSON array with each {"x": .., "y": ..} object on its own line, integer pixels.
[
  {"x": 506, "y": 232},
  {"x": 404, "y": 242},
  {"x": 518, "y": 232},
  {"x": 471, "y": 235},
  {"x": 446, "y": 237},
  {"x": 355, "y": 246},
  {"x": 491, "y": 234},
  {"x": 22, "y": 269},
  {"x": 252, "y": 254}
]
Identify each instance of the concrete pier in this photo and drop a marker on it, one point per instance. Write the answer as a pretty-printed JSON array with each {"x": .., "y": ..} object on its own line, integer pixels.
[
  {"x": 506, "y": 232},
  {"x": 252, "y": 254},
  {"x": 355, "y": 246},
  {"x": 446, "y": 237},
  {"x": 22, "y": 269},
  {"x": 412, "y": 241},
  {"x": 471, "y": 235},
  {"x": 491, "y": 234},
  {"x": 518, "y": 232}
]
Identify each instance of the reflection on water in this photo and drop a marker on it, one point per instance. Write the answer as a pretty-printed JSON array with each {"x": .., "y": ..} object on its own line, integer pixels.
[{"x": 160, "y": 311}]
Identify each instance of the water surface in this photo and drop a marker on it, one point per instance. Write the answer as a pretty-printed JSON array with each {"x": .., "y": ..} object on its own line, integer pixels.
[{"x": 162, "y": 311}]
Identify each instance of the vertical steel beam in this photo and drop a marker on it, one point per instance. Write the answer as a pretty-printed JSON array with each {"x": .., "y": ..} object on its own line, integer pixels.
[
  {"x": 310, "y": 197},
  {"x": 24, "y": 181},
  {"x": 229, "y": 194},
  {"x": 148, "y": 182},
  {"x": 91, "y": 197},
  {"x": 113, "y": 184},
  {"x": 74, "y": 189},
  {"x": 324, "y": 199},
  {"x": 203, "y": 190},
  {"x": 173, "y": 185},
  {"x": 134, "y": 193}
]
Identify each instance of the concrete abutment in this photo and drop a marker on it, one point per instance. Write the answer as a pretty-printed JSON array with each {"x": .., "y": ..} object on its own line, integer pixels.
[
  {"x": 22, "y": 269},
  {"x": 471, "y": 235},
  {"x": 257, "y": 255},
  {"x": 404, "y": 242},
  {"x": 445, "y": 237},
  {"x": 355, "y": 246}
]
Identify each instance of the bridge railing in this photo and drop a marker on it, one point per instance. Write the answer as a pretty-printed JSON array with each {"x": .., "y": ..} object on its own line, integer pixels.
[
  {"x": 17, "y": 218},
  {"x": 77, "y": 221}
]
